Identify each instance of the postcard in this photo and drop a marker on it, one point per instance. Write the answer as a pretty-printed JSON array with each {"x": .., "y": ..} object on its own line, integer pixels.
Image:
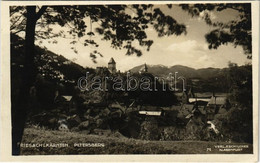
[{"x": 129, "y": 81}]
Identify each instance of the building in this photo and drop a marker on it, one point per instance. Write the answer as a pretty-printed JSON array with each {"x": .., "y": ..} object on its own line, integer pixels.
[
  {"x": 112, "y": 66},
  {"x": 151, "y": 111},
  {"x": 205, "y": 99},
  {"x": 186, "y": 111},
  {"x": 190, "y": 98},
  {"x": 216, "y": 104},
  {"x": 144, "y": 69},
  {"x": 102, "y": 71}
]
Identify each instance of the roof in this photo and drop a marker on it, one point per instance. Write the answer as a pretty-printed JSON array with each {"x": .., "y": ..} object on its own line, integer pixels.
[
  {"x": 156, "y": 113},
  {"x": 202, "y": 110},
  {"x": 188, "y": 107},
  {"x": 67, "y": 98},
  {"x": 151, "y": 108},
  {"x": 199, "y": 99},
  {"x": 116, "y": 105},
  {"x": 217, "y": 100},
  {"x": 111, "y": 61},
  {"x": 189, "y": 116},
  {"x": 222, "y": 111},
  {"x": 173, "y": 107},
  {"x": 186, "y": 111}
]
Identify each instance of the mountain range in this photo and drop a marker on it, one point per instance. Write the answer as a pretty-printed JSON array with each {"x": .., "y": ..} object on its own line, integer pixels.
[
  {"x": 56, "y": 65},
  {"x": 185, "y": 71}
]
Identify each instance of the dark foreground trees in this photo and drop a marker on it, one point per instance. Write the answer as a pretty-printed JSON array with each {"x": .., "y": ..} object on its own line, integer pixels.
[
  {"x": 120, "y": 24},
  {"x": 237, "y": 32}
]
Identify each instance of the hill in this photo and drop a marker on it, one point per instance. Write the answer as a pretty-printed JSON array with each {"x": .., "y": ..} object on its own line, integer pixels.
[
  {"x": 50, "y": 65},
  {"x": 210, "y": 72},
  {"x": 54, "y": 72},
  {"x": 185, "y": 71},
  {"x": 158, "y": 70}
]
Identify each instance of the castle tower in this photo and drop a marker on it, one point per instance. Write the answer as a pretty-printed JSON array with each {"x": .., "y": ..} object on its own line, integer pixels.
[{"x": 112, "y": 66}]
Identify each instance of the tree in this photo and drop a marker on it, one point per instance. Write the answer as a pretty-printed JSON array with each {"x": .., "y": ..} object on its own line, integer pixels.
[
  {"x": 240, "y": 78},
  {"x": 237, "y": 122},
  {"x": 117, "y": 25},
  {"x": 238, "y": 32}
]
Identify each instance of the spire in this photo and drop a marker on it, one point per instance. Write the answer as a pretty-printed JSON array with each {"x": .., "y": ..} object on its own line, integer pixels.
[
  {"x": 112, "y": 66},
  {"x": 112, "y": 61},
  {"x": 145, "y": 68}
]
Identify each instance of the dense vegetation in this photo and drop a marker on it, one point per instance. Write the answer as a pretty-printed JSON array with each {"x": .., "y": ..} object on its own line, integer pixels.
[
  {"x": 117, "y": 144},
  {"x": 123, "y": 30}
]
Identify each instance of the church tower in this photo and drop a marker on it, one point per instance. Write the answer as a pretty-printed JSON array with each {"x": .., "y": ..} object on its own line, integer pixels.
[
  {"x": 145, "y": 68},
  {"x": 112, "y": 66}
]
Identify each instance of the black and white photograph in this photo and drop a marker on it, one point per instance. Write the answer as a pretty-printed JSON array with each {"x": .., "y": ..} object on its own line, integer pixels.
[{"x": 136, "y": 78}]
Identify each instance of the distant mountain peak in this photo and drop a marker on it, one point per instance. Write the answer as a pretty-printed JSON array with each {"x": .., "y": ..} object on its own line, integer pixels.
[
  {"x": 185, "y": 71},
  {"x": 159, "y": 65}
]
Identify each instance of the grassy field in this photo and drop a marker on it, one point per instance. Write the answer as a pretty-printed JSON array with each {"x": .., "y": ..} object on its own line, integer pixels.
[{"x": 115, "y": 144}]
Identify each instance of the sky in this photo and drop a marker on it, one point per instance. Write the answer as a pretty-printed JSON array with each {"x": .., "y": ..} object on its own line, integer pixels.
[{"x": 188, "y": 50}]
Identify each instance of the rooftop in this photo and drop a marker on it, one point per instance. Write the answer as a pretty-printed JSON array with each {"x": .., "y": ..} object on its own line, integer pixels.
[
  {"x": 111, "y": 61},
  {"x": 217, "y": 100}
]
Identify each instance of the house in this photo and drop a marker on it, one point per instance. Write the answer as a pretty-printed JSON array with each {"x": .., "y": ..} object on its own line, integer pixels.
[
  {"x": 151, "y": 111},
  {"x": 205, "y": 107},
  {"x": 189, "y": 97},
  {"x": 216, "y": 104},
  {"x": 186, "y": 111},
  {"x": 67, "y": 98},
  {"x": 195, "y": 110},
  {"x": 67, "y": 102},
  {"x": 205, "y": 99},
  {"x": 102, "y": 71}
]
